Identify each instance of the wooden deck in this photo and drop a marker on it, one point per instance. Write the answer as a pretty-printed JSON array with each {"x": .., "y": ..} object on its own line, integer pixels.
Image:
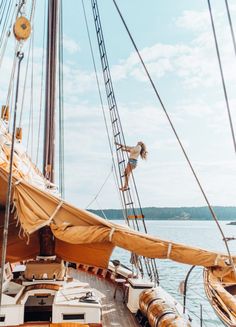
[{"x": 114, "y": 311}]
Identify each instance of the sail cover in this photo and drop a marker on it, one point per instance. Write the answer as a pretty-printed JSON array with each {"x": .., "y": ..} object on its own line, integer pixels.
[{"x": 80, "y": 235}]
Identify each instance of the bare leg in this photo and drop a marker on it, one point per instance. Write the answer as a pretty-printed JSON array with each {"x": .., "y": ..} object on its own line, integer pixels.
[
  {"x": 127, "y": 173},
  {"x": 128, "y": 170}
]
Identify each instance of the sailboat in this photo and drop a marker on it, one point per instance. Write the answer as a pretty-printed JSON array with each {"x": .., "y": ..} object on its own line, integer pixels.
[{"x": 43, "y": 232}]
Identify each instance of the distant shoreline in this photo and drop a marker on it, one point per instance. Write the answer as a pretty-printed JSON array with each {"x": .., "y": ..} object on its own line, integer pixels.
[
  {"x": 174, "y": 213},
  {"x": 232, "y": 223}
]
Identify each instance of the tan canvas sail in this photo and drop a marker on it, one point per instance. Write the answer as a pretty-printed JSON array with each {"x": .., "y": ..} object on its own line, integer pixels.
[
  {"x": 80, "y": 235},
  {"x": 84, "y": 237}
]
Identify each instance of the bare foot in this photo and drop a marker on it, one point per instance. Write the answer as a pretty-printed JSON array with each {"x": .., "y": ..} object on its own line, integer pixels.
[{"x": 124, "y": 188}]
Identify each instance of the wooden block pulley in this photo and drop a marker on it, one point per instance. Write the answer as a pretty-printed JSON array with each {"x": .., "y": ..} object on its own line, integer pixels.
[
  {"x": 5, "y": 114},
  {"x": 19, "y": 133},
  {"x": 22, "y": 28}
]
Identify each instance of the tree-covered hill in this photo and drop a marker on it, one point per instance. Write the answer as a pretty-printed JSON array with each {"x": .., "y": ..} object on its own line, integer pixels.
[{"x": 182, "y": 213}]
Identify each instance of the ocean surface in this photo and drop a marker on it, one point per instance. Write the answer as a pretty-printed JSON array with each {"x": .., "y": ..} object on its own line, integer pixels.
[{"x": 204, "y": 234}]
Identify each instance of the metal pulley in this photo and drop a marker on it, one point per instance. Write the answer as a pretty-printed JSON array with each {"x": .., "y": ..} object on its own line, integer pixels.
[{"x": 22, "y": 28}]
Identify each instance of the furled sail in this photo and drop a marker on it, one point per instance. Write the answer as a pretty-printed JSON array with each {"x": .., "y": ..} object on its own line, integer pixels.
[{"x": 80, "y": 235}]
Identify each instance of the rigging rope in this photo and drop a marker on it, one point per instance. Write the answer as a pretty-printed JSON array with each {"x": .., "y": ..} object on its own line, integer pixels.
[
  {"x": 101, "y": 188},
  {"x": 231, "y": 25},
  {"x": 118, "y": 133},
  {"x": 31, "y": 104},
  {"x": 7, "y": 36},
  {"x": 41, "y": 86},
  {"x": 21, "y": 7},
  {"x": 177, "y": 136},
  {"x": 1, "y": 5},
  {"x": 104, "y": 215},
  {"x": 25, "y": 80},
  {"x": 30, "y": 129},
  {"x": 101, "y": 102},
  {"x": 11, "y": 101},
  {"x": 114, "y": 114},
  {"x": 32, "y": 95},
  {"x": 131, "y": 212},
  {"x": 11, "y": 82},
  {"x": 2, "y": 14},
  {"x": 5, "y": 22},
  {"x": 222, "y": 75},
  {"x": 20, "y": 56},
  {"x": 61, "y": 106}
]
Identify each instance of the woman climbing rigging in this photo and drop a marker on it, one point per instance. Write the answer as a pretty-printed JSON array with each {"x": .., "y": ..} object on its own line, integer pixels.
[{"x": 135, "y": 151}]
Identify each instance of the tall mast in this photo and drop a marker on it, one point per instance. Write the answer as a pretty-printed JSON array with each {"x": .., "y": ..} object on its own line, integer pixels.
[
  {"x": 50, "y": 92},
  {"x": 46, "y": 238}
]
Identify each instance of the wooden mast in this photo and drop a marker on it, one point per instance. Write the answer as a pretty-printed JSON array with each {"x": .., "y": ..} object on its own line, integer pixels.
[{"x": 47, "y": 242}]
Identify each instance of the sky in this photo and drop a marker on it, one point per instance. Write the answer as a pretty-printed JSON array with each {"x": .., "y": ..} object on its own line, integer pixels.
[{"x": 176, "y": 42}]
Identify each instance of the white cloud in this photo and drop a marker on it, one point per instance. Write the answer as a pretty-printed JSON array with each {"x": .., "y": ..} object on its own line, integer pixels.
[
  {"x": 196, "y": 110},
  {"x": 197, "y": 21},
  {"x": 77, "y": 80},
  {"x": 70, "y": 45},
  {"x": 199, "y": 116},
  {"x": 194, "y": 63}
]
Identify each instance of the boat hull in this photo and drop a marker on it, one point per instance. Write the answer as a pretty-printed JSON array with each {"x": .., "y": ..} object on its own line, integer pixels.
[{"x": 221, "y": 295}]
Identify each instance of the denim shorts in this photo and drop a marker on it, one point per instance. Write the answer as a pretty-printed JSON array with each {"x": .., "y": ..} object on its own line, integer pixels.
[{"x": 133, "y": 162}]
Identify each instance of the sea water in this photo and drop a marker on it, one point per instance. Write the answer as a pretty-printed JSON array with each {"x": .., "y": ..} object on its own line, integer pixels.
[{"x": 204, "y": 234}]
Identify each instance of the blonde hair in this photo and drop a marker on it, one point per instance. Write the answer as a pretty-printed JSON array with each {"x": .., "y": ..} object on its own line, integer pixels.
[{"x": 143, "y": 152}]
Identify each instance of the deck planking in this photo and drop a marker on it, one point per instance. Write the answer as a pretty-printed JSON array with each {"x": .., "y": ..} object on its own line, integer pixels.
[{"x": 114, "y": 312}]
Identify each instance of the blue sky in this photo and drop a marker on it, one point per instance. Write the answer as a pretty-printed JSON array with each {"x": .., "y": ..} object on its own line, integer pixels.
[{"x": 176, "y": 42}]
